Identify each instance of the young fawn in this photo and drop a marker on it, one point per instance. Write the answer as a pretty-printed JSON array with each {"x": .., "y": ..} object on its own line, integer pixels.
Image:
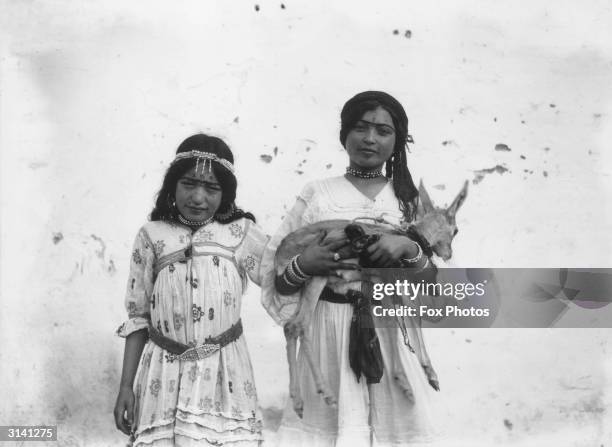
[{"x": 435, "y": 226}]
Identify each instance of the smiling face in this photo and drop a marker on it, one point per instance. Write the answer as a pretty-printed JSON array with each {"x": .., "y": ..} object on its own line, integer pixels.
[
  {"x": 198, "y": 194},
  {"x": 371, "y": 141}
]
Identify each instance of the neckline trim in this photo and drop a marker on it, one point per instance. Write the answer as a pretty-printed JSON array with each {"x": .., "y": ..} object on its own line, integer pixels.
[{"x": 362, "y": 194}]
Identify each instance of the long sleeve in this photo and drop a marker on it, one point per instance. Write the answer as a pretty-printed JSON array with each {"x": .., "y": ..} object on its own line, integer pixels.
[
  {"x": 140, "y": 285},
  {"x": 282, "y": 307},
  {"x": 251, "y": 252}
]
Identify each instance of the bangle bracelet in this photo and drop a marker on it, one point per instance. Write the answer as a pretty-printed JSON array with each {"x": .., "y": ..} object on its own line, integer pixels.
[
  {"x": 416, "y": 258},
  {"x": 294, "y": 271},
  {"x": 292, "y": 276},
  {"x": 427, "y": 262},
  {"x": 289, "y": 281},
  {"x": 297, "y": 270}
]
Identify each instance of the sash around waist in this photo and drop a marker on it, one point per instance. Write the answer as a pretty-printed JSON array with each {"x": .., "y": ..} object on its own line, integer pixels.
[
  {"x": 211, "y": 344},
  {"x": 329, "y": 295},
  {"x": 365, "y": 356}
]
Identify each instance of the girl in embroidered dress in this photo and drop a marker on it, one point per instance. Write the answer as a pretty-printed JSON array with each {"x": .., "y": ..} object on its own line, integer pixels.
[
  {"x": 187, "y": 378},
  {"x": 374, "y": 132}
]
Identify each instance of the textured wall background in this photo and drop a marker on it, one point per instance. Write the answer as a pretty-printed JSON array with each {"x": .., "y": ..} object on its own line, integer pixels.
[{"x": 96, "y": 96}]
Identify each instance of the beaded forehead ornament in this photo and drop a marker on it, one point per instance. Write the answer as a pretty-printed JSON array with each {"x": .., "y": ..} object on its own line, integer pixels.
[{"x": 208, "y": 157}]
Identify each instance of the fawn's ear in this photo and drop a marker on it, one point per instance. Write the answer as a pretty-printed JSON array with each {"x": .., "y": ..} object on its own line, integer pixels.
[
  {"x": 420, "y": 212},
  {"x": 425, "y": 201},
  {"x": 452, "y": 209}
]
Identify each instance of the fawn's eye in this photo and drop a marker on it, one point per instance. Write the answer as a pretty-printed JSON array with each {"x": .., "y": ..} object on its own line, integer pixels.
[{"x": 455, "y": 232}]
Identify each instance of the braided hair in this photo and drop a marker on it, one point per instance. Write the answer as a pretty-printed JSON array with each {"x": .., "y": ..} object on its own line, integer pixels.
[
  {"x": 396, "y": 167},
  {"x": 165, "y": 209}
]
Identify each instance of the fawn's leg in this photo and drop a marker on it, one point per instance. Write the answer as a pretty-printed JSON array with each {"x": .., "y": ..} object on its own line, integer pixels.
[
  {"x": 320, "y": 384},
  {"x": 294, "y": 386},
  {"x": 397, "y": 371},
  {"x": 402, "y": 325},
  {"x": 432, "y": 377}
]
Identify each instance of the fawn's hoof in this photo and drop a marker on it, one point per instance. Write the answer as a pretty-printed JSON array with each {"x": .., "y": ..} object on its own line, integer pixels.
[
  {"x": 434, "y": 384},
  {"x": 404, "y": 384},
  {"x": 331, "y": 401},
  {"x": 299, "y": 411},
  {"x": 298, "y": 406},
  {"x": 327, "y": 397},
  {"x": 409, "y": 395},
  {"x": 432, "y": 377},
  {"x": 407, "y": 343}
]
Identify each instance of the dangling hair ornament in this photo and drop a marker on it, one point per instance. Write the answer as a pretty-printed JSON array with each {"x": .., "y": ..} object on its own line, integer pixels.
[
  {"x": 206, "y": 157},
  {"x": 170, "y": 201},
  {"x": 409, "y": 139}
]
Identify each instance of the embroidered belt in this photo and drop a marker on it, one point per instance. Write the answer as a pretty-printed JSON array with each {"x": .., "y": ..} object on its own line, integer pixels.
[{"x": 180, "y": 351}]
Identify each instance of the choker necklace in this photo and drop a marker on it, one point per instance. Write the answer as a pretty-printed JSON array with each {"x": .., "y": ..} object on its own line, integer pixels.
[
  {"x": 363, "y": 174},
  {"x": 194, "y": 223}
]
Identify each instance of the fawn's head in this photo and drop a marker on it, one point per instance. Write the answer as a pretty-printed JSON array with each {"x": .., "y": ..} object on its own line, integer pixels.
[{"x": 437, "y": 225}]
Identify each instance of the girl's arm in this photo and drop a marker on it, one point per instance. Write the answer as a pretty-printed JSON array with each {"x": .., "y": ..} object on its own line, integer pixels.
[
  {"x": 134, "y": 329},
  {"x": 124, "y": 407}
]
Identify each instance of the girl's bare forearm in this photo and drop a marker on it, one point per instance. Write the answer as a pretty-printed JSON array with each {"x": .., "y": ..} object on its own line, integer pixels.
[{"x": 134, "y": 344}]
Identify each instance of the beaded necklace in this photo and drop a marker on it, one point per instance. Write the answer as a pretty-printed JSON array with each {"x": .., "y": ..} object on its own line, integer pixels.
[
  {"x": 363, "y": 174},
  {"x": 194, "y": 223}
]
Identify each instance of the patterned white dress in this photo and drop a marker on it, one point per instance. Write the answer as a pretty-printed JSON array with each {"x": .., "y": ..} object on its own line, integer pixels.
[
  {"x": 190, "y": 287},
  {"x": 377, "y": 414}
]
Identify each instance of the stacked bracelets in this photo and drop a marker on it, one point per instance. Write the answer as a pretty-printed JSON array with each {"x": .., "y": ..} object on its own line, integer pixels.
[
  {"x": 407, "y": 262},
  {"x": 293, "y": 274}
]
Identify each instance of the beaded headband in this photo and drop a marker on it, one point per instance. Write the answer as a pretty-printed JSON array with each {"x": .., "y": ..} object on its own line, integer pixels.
[{"x": 206, "y": 156}]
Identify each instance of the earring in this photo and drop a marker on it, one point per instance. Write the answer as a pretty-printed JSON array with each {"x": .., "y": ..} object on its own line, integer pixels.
[{"x": 171, "y": 202}]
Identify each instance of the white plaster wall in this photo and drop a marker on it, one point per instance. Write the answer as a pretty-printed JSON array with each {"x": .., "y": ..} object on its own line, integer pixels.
[{"x": 95, "y": 97}]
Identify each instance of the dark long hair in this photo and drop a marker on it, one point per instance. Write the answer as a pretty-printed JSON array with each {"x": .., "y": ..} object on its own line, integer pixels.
[
  {"x": 396, "y": 167},
  {"x": 228, "y": 212}
]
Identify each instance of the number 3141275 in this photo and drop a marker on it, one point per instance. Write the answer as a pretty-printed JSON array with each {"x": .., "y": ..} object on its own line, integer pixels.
[{"x": 28, "y": 433}]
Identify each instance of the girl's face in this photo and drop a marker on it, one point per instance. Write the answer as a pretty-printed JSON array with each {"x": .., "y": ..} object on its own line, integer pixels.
[
  {"x": 198, "y": 194},
  {"x": 371, "y": 141}
]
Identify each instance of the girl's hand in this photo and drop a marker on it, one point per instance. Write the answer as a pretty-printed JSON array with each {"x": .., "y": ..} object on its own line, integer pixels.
[
  {"x": 390, "y": 248},
  {"x": 321, "y": 258},
  {"x": 124, "y": 410}
]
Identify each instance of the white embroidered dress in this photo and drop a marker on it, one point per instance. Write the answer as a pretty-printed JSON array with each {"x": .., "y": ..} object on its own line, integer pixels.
[
  {"x": 190, "y": 287},
  {"x": 377, "y": 414}
]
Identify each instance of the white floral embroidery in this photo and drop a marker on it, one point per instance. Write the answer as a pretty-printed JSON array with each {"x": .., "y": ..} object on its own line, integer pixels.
[{"x": 236, "y": 230}]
